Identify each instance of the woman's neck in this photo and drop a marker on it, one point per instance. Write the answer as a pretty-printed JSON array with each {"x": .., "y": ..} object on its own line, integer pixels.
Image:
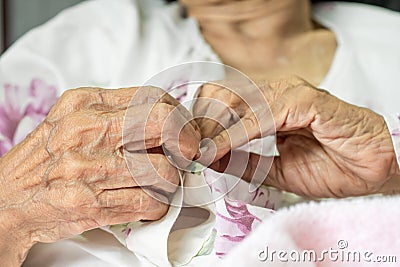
[{"x": 266, "y": 38}]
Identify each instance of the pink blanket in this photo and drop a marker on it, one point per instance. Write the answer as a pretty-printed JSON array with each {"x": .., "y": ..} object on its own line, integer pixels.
[{"x": 348, "y": 232}]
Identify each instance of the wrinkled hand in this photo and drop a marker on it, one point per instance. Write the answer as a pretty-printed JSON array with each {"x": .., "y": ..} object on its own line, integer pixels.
[
  {"x": 69, "y": 175},
  {"x": 327, "y": 147}
]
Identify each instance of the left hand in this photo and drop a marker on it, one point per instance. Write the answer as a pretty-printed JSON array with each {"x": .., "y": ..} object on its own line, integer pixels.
[
  {"x": 327, "y": 147},
  {"x": 80, "y": 170}
]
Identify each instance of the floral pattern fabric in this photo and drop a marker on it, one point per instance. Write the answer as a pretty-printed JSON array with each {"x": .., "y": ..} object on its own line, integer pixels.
[
  {"x": 22, "y": 109},
  {"x": 235, "y": 218}
]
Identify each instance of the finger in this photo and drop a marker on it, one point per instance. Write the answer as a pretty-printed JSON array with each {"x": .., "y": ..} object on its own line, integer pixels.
[
  {"x": 295, "y": 104},
  {"x": 130, "y": 204},
  {"x": 212, "y": 115},
  {"x": 91, "y": 98},
  {"x": 182, "y": 146},
  {"x": 100, "y": 131},
  {"x": 91, "y": 131},
  {"x": 166, "y": 126},
  {"x": 145, "y": 123},
  {"x": 249, "y": 166},
  {"x": 110, "y": 100},
  {"x": 153, "y": 170},
  {"x": 217, "y": 107},
  {"x": 71, "y": 100},
  {"x": 115, "y": 99},
  {"x": 237, "y": 135},
  {"x": 275, "y": 175},
  {"x": 391, "y": 186},
  {"x": 168, "y": 99},
  {"x": 306, "y": 132},
  {"x": 287, "y": 169},
  {"x": 256, "y": 120},
  {"x": 152, "y": 95},
  {"x": 302, "y": 169},
  {"x": 113, "y": 172},
  {"x": 127, "y": 97}
]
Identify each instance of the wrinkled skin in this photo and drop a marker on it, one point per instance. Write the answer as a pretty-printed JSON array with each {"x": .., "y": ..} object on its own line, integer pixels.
[
  {"x": 69, "y": 175},
  {"x": 327, "y": 147}
]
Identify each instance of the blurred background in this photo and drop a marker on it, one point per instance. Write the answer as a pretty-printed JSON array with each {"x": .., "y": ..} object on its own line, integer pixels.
[{"x": 19, "y": 16}]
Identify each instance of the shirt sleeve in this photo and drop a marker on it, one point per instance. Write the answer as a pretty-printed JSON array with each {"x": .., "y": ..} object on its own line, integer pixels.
[{"x": 393, "y": 124}]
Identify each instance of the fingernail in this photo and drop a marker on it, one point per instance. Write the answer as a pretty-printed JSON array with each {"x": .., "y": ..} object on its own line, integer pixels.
[{"x": 204, "y": 149}]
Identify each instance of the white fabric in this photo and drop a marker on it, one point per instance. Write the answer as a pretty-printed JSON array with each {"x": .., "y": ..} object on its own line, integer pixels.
[
  {"x": 110, "y": 43},
  {"x": 367, "y": 59}
]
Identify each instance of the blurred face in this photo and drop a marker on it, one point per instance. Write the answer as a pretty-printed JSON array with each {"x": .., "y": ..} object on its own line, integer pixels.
[
  {"x": 213, "y": 2},
  {"x": 202, "y": 3},
  {"x": 206, "y": 2},
  {"x": 239, "y": 10}
]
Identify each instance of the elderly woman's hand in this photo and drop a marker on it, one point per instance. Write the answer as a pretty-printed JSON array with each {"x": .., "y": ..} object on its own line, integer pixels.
[
  {"x": 69, "y": 175},
  {"x": 328, "y": 148}
]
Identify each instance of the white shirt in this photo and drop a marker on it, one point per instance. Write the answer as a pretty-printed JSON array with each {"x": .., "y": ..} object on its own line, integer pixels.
[{"x": 112, "y": 44}]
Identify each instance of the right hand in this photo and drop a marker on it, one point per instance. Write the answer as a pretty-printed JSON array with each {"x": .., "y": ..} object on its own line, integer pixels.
[
  {"x": 69, "y": 175},
  {"x": 327, "y": 147}
]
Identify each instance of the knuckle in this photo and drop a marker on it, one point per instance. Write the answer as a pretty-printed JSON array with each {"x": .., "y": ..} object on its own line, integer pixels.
[
  {"x": 67, "y": 103},
  {"x": 250, "y": 122},
  {"x": 222, "y": 139},
  {"x": 71, "y": 125},
  {"x": 166, "y": 107},
  {"x": 234, "y": 100},
  {"x": 155, "y": 121},
  {"x": 162, "y": 110},
  {"x": 314, "y": 94},
  {"x": 154, "y": 89},
  {"x": 105, "y": 199},
  {"x": 70, "y": 166},
  {"x": 165, "y": 170},
  {"x": 295, "y": 80},
  {"x": 208, "y": 89},
  {"x": 286, "y": 83},
  {"x": 72, "y": 130},
  {"x": 79, "y": 95},
  {"x": 155, "y": 94},
  {"x": 306, "y": 92},
  {"x": 73, "y": 95}
]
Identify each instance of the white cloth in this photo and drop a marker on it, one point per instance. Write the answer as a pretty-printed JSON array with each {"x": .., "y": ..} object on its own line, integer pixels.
[
  {"x": 123, "y": 43},
  {"x": 367, "y": 59}
]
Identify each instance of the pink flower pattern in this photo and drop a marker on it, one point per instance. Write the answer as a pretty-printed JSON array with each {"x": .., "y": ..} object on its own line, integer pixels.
[
  {"x": 178, "y": 89},
  {"x": 234, "y": 221},
  {"x": 22, "y": 109},
  {"x": 233, "y": 228},
  {"x": 396, "y": 132}
]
